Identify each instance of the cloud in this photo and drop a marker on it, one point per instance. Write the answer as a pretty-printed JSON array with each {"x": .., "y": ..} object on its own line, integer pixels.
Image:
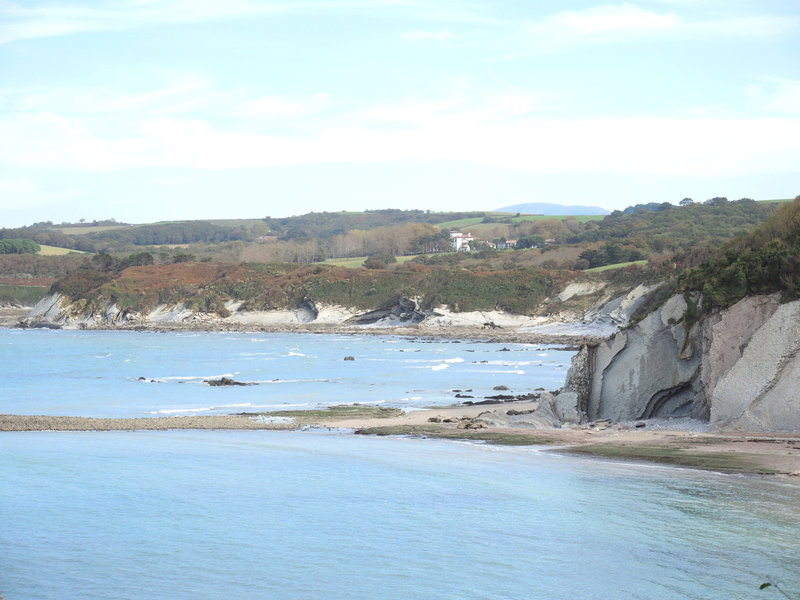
[
  {"x": 619, "y": 23},
  {"x": 25, "y": 192},
  {"x": 786, "y": 98},
  {"x": 601, "y": 23},
  {"x": 439, "y": 36},
  {"x": 445, "y": 132},
  {"x": 99, "y": 100},
  {"x": 18, "y": 22},
  {"x": 184, "y": 94},
  {"x": 278, "y": 106}
]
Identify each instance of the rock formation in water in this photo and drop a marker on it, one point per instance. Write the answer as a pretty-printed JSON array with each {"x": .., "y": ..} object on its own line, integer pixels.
[{"x": 738, "y": 368}]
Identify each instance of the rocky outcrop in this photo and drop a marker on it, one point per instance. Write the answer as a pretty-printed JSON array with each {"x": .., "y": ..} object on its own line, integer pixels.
[
  {"x": 402, "y": 311},
  {"x": 738, "y": 368}
]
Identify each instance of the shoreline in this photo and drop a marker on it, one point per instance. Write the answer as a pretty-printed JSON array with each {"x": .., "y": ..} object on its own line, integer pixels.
[
  {"x": 12, "y": 318},
  {"x": 742, "y": 453},
  {"x": 773, "y": 454}
]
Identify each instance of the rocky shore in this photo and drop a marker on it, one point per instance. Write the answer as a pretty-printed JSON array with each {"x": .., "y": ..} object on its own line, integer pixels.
[
  {"x": 52, "y": 423},
  {"x": 504, "y": 423}
]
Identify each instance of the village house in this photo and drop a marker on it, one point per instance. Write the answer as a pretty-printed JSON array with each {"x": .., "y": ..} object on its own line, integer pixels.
[{"x": 460, "y": 241}]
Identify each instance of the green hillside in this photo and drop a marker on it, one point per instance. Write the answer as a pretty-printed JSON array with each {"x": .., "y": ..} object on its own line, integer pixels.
[{"x": 764, "y": 261}]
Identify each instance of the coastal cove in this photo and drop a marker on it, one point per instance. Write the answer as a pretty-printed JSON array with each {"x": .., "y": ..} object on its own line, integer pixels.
[{"x": 212, "y": 510}]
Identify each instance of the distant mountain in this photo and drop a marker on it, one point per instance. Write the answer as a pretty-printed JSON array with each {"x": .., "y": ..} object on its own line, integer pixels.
[{"x": 544, "y": 208}]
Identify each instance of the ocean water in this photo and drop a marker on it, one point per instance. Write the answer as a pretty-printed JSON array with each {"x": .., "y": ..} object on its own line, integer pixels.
[
  {"x": 137, "y": 374},
  {"x": 326, "y": 515}
]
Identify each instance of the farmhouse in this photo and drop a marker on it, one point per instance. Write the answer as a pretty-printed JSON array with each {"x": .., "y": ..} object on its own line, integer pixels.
[{"x": 460, "y": 241}]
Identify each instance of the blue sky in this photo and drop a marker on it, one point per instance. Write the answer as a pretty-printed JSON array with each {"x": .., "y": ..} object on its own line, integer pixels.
[{"x": 147, "y": 110}]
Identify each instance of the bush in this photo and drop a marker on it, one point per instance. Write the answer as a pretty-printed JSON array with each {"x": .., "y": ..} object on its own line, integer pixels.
[{"x": 374, "y": 263}]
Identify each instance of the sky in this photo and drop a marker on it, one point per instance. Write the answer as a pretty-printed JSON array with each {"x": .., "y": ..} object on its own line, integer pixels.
[{"x": 145, "y": 110}]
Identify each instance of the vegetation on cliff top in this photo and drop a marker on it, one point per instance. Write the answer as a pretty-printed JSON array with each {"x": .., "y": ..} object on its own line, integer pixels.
[
  {"x": 765, "y": 261},
  {"x": 207, "y": 286}
]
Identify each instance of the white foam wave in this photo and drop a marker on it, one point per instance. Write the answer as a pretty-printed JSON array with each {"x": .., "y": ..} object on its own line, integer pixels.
[
  {"x": 196, "y": 377},
  {"x": 272, "y": 420},
  {"x": 277, "y": 381},
  {"x": 434, "y": 360},
  {"x": 512, "y": 363}
]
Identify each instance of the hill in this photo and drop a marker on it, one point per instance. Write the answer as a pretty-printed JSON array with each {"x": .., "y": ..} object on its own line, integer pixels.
[
  {"x": 765, "y": 261},
  {"x": 545, "y": 208}
]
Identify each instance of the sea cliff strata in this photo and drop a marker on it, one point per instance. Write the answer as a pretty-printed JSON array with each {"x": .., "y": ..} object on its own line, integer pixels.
[
  {"x": 737, "y": 368},
  {"x": 562, "y": 322}
]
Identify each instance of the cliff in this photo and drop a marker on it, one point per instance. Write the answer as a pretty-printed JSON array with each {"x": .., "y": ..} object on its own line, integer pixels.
[
  {"x": 736, "y": 367},
  {"x": 547, "y": 304},
  {"x": 595, "y": 320}
]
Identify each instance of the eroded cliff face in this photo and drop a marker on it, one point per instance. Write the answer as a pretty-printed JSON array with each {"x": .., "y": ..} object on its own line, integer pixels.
[
  {"x": 761, "y": 390},
  {"x": 738, "y": 368}
]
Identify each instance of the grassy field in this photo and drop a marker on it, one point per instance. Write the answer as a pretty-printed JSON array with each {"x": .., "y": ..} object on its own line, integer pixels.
[
  {"x": 56, "y": 251},
  {"x": 616, "y": 266},
  {"x": 354, "y": 263},
  {"x": 235, "y": 222},
  {"x": 21, "y": 294},
  {"x": 75, "y": 230},
  {"x": 475, "y": 221},
  {"x": 460, "y": 223}
]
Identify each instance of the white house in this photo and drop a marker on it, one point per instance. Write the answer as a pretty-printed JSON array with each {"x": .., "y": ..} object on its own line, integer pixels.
[{"x": 460, "y": 241}]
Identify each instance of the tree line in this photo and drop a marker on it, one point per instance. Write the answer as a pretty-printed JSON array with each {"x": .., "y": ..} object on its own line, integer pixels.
[{"x": 19, "y": 246}]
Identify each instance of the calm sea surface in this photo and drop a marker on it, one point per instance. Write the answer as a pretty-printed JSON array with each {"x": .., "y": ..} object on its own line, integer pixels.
[{"x": 328, "y": 515}]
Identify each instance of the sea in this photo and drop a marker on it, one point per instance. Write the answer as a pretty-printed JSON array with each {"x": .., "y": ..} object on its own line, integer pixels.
[{"x": 327, "y": 514}]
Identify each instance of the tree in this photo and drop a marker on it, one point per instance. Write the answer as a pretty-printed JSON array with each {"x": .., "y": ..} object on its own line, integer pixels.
[
  {"x": 529, "y": 241},
  {"x": 686, "y": 202},
  {"x": 19, "y": 246}
]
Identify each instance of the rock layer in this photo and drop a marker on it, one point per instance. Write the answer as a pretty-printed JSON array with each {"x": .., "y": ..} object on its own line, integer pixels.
[{"x": 738, "y": 368}]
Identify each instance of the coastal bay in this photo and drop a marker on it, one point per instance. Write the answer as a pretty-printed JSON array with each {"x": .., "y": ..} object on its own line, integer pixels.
[{"x": 120, "y": 458}]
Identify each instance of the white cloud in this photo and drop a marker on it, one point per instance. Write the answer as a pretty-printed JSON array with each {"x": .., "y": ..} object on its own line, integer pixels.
[
  {"x": 278, "y": 106},
  {"x": 21, "y": 192},
  {"x": 423, "y": 113},
  {"x": 100, "y": 100},
  {"x": 599, "y": 23},
  {"x": 616, "y": 23},
  {"x": 786, "y": 98},
  {"x": 19, "y": 22},
  {"x": 439, "y": 36},
  {"x": 185, "y": 94},
  {"x": 691, "y": 146}
]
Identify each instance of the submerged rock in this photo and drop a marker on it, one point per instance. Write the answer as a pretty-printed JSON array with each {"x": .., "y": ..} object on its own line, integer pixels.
[{"x": 225, "y": 381}]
